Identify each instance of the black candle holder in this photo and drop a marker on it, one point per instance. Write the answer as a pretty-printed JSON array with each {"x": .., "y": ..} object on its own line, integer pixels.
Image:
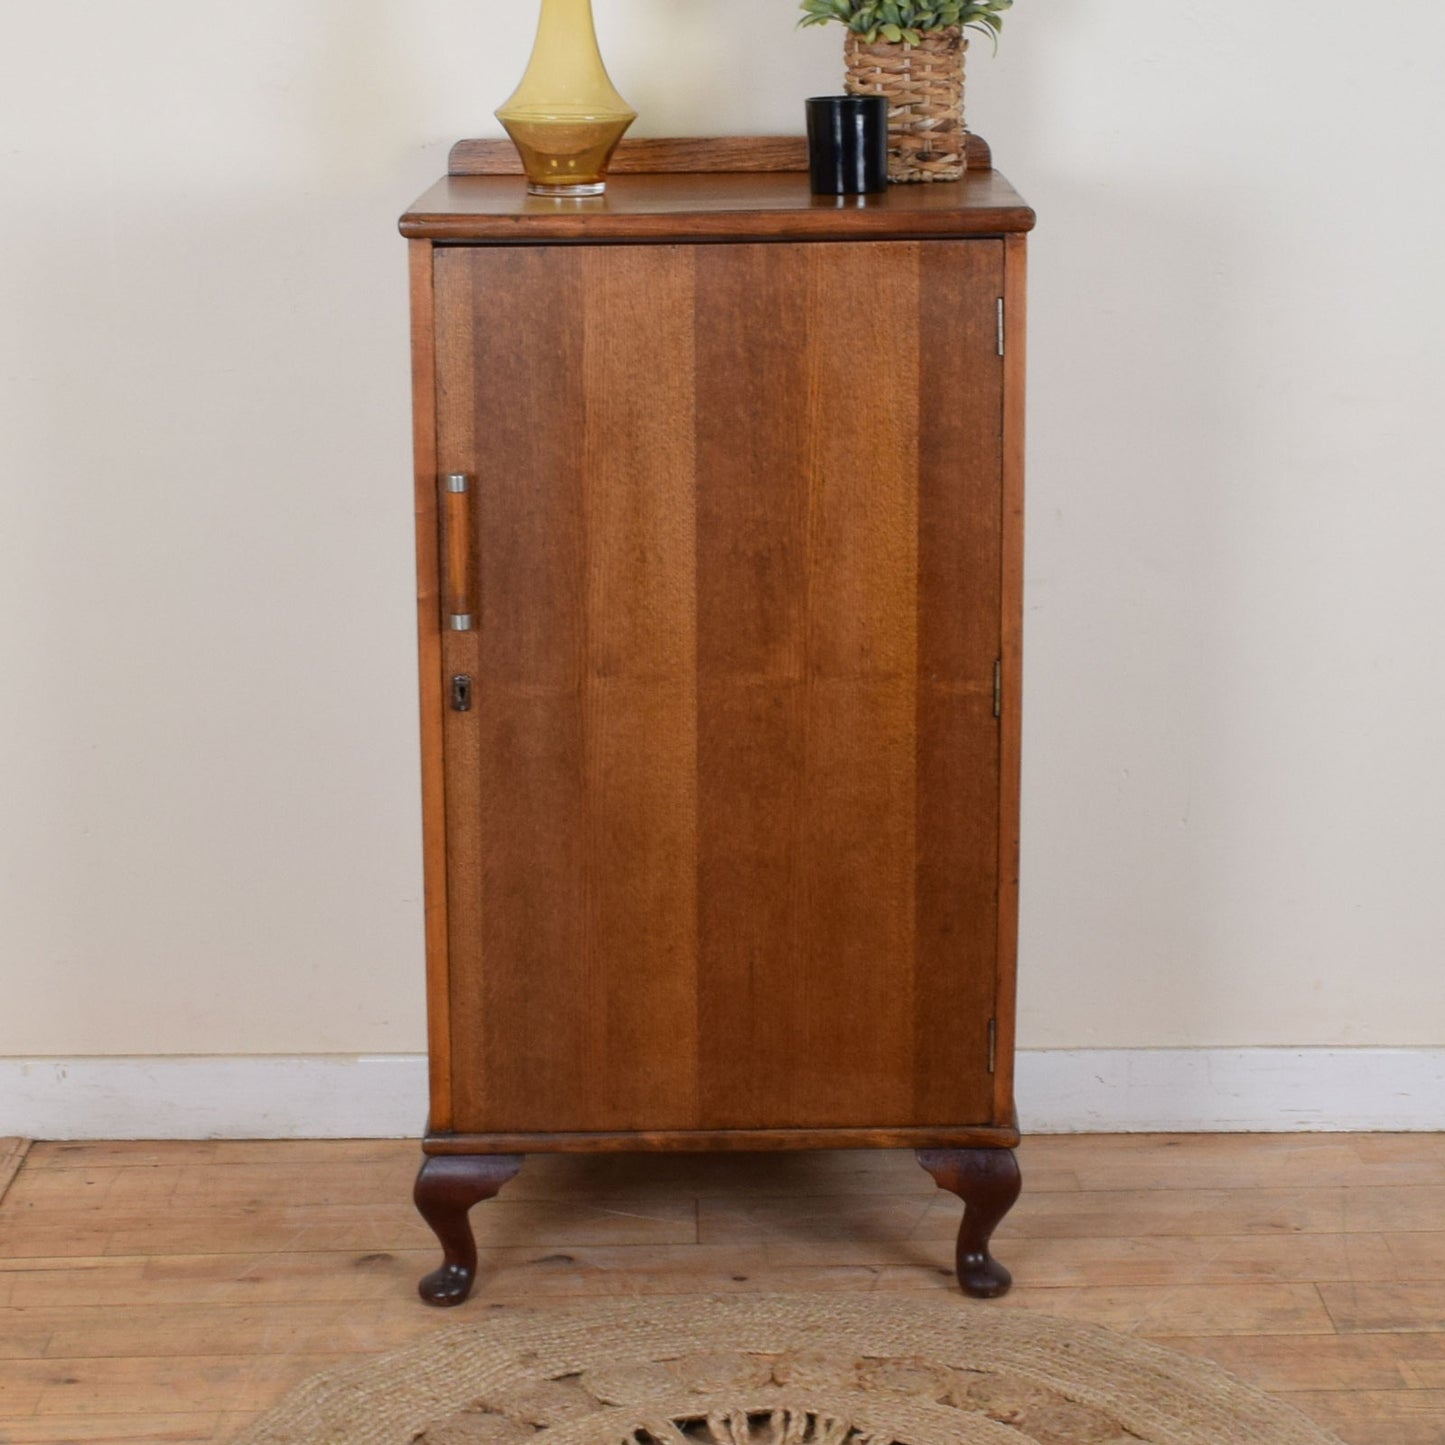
[{"x": 848, "y": 144}]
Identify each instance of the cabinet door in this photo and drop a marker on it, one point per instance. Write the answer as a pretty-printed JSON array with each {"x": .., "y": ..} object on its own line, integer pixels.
[{"x": 722, "y": 820}]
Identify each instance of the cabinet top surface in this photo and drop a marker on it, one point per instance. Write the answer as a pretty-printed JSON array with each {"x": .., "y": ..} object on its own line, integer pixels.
[{"x": 714, "y": 206}]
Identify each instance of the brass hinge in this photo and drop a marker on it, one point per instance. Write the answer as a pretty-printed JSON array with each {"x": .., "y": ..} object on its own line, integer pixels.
[
  {"x": 992, "y": 1044},
  {"x": 1000, "y": 326},
  {"x": 998, "y": 687}
]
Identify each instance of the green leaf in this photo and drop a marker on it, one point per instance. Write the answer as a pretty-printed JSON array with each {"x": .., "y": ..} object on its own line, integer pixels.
[
  {"x": 984, "y": 30},
  {"x": 911, "y": 19}
]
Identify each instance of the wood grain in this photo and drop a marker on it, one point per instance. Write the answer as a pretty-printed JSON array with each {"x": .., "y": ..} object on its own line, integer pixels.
[
  {"x": 957, "y": 986},
  {"x": 752, "y": 558},
  {"x": 721, "y": 207},
  {"x": 722, "y": 819},
  {"x": 1392, "y": 1307},
  {"x": 58, "y": 1390},
  {"x": 160, "y": 1429},
  {"x": 806, "y": 650},
  {"x": 240, "y": 1255},
  {"x": 48, "y": 1156},
  {"x": 850, "y": 993},
  {"x": 1370, "y": 1417},
  {"x": 572, "y": 817},
  {"x": 903, "y": 523},
  {"x": 748, "y": 1140},
  {"x": 696, "y": 154},
  {"x": 516, "y": 822},
  {"x": 12, "y": 1156},
  {"x": 1011, "y": 595},
  {"x": 639, "y": 700},
  {"x": 457, "y": 531}
]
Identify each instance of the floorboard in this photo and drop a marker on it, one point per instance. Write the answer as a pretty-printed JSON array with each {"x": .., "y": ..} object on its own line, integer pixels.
[
  {"x": 12, "y": 1154},
  {"x": 170, "y": 1292}
]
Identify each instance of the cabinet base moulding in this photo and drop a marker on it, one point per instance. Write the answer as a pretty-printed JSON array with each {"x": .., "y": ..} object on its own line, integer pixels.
[{"x": 724, "y": 1141}]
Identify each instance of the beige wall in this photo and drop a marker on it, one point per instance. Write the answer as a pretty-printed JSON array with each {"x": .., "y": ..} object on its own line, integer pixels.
[{"x": 207, "y": 739}]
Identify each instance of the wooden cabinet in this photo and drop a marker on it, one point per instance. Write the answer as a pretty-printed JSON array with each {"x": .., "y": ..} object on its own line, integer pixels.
[{"x": 719, "y": 504}]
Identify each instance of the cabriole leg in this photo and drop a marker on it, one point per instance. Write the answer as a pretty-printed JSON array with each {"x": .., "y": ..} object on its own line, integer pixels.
[
  {"x": 988, "y": 1182},
  {"x": 446, "y": 1188}
]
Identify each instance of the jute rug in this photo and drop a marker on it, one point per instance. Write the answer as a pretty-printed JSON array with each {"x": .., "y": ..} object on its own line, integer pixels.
[{"x": 781, "y": 1370}]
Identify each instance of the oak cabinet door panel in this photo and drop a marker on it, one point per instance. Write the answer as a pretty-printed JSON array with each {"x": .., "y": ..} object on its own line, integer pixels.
[{"x": 722, "y": 820}]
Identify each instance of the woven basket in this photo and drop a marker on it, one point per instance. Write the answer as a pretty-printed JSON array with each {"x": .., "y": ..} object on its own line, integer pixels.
[{"x": 924, "y": 86}]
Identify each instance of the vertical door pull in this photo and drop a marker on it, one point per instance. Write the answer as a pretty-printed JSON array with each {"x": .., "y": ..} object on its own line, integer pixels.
[{"x": 457, "y": 581}]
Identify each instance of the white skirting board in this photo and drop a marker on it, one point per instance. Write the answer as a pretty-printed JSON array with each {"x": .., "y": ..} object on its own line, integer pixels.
[{"x": 1064, "y": 1091}]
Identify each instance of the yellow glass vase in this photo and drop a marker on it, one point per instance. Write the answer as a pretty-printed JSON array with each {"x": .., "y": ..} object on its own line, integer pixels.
[{"x": 566, "y": 116}]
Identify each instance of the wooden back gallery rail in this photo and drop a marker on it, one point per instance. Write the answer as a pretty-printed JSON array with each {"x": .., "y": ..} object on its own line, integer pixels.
[
  {"x": 719, "y": 549},
  {"x": 701, "y": 156}
]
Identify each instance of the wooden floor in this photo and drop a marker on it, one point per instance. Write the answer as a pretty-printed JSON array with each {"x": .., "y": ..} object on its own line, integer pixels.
[{"x": 169, "y": 1292}]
